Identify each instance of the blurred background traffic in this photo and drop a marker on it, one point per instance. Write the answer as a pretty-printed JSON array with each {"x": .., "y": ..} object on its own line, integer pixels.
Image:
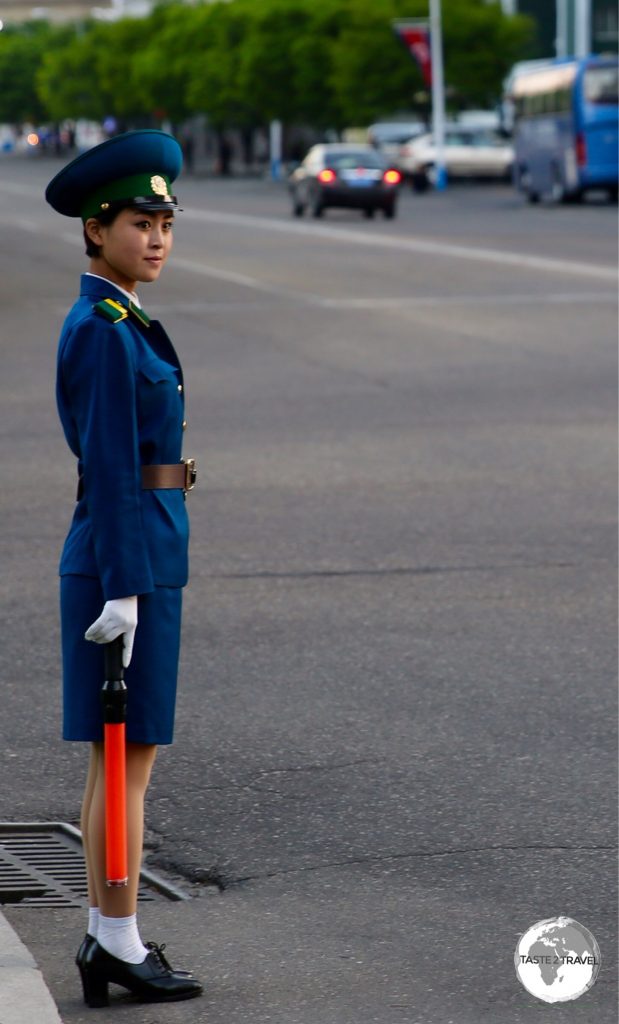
[{"x": 252, "y": 86}]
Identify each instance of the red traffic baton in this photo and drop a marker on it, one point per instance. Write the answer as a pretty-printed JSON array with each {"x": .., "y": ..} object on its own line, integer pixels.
[{"x": 114, "y": 699}]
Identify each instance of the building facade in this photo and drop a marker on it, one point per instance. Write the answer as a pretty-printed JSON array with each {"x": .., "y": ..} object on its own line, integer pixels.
[
  {"x": 567, "y": 28},
  {"x": 15, "y": 12}
]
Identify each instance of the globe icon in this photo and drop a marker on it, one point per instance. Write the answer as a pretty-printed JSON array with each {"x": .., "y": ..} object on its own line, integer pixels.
[{"x": 557, "y": 959}]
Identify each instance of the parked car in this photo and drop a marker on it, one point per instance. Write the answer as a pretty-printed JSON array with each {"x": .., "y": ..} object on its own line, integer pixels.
[
  {"x": 390, "y": 136},
  {"x": 343, "y": 174},
  {"x": 468, "y": 153}
]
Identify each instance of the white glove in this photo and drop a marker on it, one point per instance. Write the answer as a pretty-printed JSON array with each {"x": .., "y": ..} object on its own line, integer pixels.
[{"x": 118, "y": 616}]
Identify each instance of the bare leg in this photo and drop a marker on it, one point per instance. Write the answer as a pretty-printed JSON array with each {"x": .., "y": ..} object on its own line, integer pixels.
[
  {"x": 122, "y": 901},
  {"x": 95, "y": 765}
]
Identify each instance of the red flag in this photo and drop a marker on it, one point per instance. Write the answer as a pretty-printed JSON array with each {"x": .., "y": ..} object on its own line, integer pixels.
[{"x": 416, "y": 37}]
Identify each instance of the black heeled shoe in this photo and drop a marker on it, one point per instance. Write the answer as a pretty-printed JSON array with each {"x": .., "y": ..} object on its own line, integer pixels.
[
  {"x": 88, "y": 940},
  {"x": 159, "y": 950},
  {"x": 85, "y": 945},
  {"x": 152, "y": 981}
]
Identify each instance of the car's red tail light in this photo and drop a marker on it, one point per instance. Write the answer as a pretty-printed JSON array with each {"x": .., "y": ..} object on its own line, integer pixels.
[
  {"x": 581, "y": 150},
  {"x": 327, "y": 176},
  {"x": 392, "y": 177}
]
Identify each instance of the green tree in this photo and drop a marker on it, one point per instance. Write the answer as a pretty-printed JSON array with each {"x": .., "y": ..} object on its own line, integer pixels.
[
  {"x": 373, "y": 75},
  {"x": 21, "y": 52},
  {"x": 173, "y": 48},
  {"x": 481, "y": 44},
  {"x": 90, "y": 75},
  {"x": 312, "y": 60},
  {"x": 119, "y": 47},
  {"x": 266, "y": 60},
  {"x": 215, "y": 83},
  {"x": 327, "y": 63},
  {"x": 67, "y": 80}
]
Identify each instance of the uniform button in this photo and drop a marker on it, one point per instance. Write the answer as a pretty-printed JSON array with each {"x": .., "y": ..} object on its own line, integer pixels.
[
  {"x": 179, "y": 388},
  {"x": 184, "y": 424}
]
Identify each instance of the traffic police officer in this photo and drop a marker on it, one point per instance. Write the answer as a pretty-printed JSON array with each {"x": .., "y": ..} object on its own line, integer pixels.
[{"x": 120, "y": 397}]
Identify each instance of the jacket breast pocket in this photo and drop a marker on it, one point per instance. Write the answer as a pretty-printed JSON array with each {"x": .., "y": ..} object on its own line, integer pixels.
[{"x": 158, "y": 394}]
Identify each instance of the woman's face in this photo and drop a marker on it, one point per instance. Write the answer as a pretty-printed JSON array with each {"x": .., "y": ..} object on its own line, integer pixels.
[{"x": 134, "y": 247}]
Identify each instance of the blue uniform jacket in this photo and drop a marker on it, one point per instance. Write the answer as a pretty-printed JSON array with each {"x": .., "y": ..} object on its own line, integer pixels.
[{"x": 120, "y": 398}]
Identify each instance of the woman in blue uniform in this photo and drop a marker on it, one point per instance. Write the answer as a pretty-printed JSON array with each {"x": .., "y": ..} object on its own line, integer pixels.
[{"x": 120, "y": 397}]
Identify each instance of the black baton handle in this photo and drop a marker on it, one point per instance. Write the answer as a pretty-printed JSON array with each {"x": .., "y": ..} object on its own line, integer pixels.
[
  {"x": 113, "y": 654},
  {"x": 114, "y": 691}
]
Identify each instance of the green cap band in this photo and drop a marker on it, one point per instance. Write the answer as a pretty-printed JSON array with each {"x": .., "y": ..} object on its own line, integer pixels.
[{"x": 154, "y": 187}]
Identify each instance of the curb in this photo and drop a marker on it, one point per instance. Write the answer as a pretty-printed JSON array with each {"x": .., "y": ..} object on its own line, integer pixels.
[{"x": 24, "y": 996}]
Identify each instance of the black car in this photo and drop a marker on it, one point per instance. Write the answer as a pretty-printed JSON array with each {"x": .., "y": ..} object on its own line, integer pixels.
[{"x": 344, "y": 175}]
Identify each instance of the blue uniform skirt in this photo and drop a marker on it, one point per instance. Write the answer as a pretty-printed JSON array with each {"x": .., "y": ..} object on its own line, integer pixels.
[{"x": 150, "y": 678}]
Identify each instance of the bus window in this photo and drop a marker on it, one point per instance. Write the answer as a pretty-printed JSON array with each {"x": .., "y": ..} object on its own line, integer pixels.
[{"x": 602, "y": 85}]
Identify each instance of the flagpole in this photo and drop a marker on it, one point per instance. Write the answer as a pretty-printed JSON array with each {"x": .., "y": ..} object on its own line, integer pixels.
[{"x": 438, "y": 93}]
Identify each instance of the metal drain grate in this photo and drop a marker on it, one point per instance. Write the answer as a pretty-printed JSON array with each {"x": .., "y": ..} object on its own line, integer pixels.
[{"x": 42, "y": 865}]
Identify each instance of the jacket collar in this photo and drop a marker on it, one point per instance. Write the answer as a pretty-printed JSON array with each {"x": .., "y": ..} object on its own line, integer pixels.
[{"x": 92, "y": 287}]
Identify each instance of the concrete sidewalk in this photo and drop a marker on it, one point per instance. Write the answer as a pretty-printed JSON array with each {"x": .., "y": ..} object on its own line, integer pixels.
[{"x": 24, "y": 996}]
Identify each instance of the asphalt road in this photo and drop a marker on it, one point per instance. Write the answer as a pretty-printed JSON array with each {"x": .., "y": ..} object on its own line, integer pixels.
[{"x": 396, "y": 733}]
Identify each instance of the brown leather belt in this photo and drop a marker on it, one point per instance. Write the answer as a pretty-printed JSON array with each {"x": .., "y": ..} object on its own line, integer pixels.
[{"x": 178, "y": 475}]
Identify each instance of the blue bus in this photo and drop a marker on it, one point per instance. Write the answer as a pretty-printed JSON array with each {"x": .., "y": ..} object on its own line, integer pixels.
[{"x": 566, "y": 129}]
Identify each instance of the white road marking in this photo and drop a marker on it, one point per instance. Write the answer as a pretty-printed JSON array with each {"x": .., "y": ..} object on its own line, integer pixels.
[
  {"x": 223, "y": 275},
  {"x": 367, "y": 302},
  {"x": 28, "y": 225},
  {"x": 405, "y": 302},
  {"x": 383, "y": 302},
  {"x": 207, "y": 270},
  {"x": 425, "y": 246}
]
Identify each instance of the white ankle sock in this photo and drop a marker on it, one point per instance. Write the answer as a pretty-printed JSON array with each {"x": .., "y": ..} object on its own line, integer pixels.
[
  {"x": 120, "y": 937},
  {"x": 93, "y": 921}
]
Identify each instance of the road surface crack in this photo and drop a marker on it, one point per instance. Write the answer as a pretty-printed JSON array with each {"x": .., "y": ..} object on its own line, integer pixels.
[
  {"x": 422, "y": 570},
  {"x": 418, "y": 854}
]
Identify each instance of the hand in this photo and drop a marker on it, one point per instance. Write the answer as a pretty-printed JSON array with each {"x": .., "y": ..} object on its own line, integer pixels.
[{"x": 118, "y": 616}]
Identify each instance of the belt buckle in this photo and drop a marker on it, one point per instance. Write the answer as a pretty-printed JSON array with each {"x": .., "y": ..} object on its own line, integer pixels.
[{"x": 190, "y": 474}]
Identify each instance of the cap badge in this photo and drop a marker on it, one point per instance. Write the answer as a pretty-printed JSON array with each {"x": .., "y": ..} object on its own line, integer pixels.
[{"x": 158, "y": 185}]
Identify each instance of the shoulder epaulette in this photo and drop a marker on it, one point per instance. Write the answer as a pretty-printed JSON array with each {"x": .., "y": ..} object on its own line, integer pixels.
[{"x": 111, "y": 310}]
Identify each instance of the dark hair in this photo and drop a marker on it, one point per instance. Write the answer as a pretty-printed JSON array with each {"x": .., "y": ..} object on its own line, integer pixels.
[{"x": 105, "y": 218}]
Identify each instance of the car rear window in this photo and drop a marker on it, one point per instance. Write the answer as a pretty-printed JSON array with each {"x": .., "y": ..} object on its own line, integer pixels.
[
  {"x": 457, "y": 138},
  {"x": 486, "y": 137},
  {"x": 344, "y": 161},
  {"x": 481, "y": 137}
]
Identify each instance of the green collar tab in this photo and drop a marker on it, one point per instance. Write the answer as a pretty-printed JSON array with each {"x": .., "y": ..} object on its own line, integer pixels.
[{"x": 139, "y": 314}]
